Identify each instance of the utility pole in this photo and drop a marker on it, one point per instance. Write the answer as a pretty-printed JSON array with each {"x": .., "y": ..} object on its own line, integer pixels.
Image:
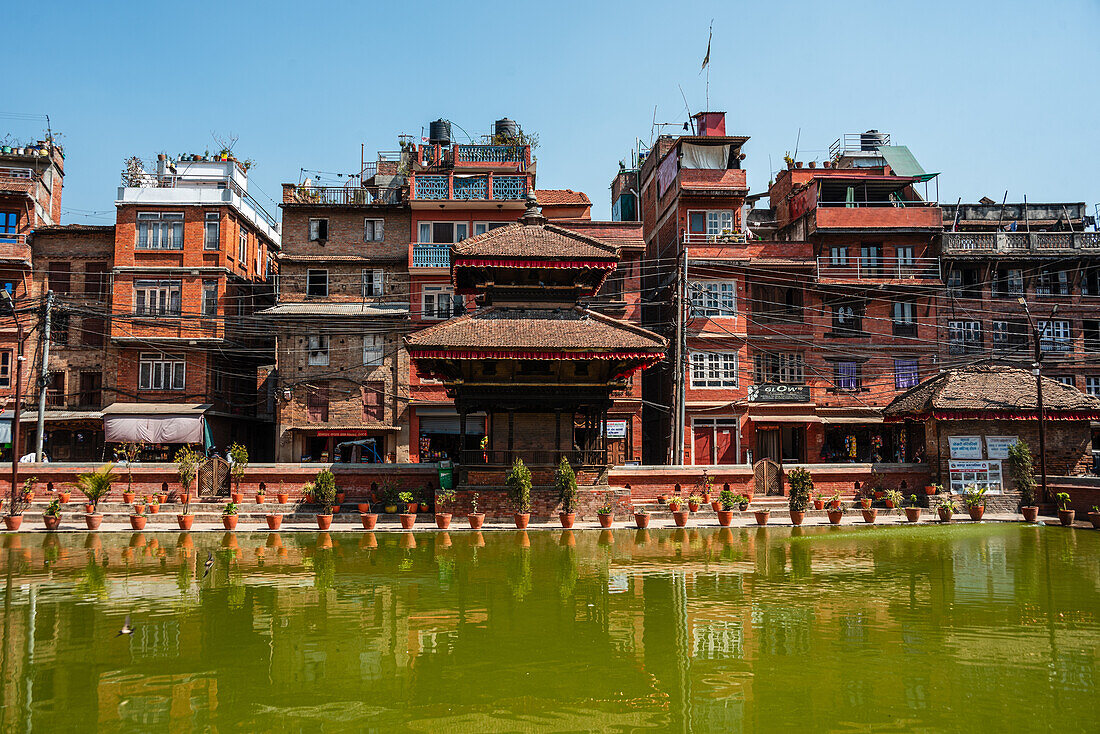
[
  {"x": 43, "y": 378},
  {"x": 1037, "y": 370},
  {"x": 7, "y": 302},
  {"x": 681, "y": 362}
]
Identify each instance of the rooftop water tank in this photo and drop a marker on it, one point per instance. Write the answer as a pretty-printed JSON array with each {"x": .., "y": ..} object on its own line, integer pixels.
[
  {"x": 440, "y": 132},
  {"x": 872, "y": 139},
  {"x": 506, "y": 127}
]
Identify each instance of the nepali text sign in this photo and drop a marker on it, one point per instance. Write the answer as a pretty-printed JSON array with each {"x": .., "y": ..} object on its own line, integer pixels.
[
  {"x": 965, "y": 447},
  {"x": 996, "y": 447}
]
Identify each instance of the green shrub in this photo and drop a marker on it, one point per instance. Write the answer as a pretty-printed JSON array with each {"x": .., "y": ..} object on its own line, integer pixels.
[
  {"x": 801, "y": 485},
  {"x": 565, "y": 479},
  {"x": 519, "y": 486},
  {"x": 97, "y": 484},
  {"x": 324, "y": 488},
  {"x": 1021, "y": 465}
]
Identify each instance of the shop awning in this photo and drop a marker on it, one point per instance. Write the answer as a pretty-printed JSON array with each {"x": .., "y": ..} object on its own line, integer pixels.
[
  {"x": 903, "y": 163},
  {"x": 784, "y": 418},
  {"x": 831, "y": 420},
  {"x": 154, "y": 422}
]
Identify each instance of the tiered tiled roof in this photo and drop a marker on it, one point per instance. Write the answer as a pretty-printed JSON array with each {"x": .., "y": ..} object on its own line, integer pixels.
[
  {"x": 534, "y": 242},
  {"x": 562, "y": 197}
]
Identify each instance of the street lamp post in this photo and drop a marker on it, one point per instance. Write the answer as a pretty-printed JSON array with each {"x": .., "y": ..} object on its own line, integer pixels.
[{"x": 1037, "y": 370}]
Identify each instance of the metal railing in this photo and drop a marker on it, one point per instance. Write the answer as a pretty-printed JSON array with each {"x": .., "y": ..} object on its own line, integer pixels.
[
  {"x": 891, "y": 203},
  {"x": 490, "y": 154},
  {"x": 476, "y": 457},
  {"x": 448, "y": 187},
  {"x": 966, "y": 242},
  {"x": 18, "y": 174},
  {"x": 347, "y": 195},
  {"x": 14, "y": 247},
  {"x": 882, "y": 268},
  {"x": 431, "y": 256},
  {"x": 699, "y": 238},
  {"x": 175, "y": 181},
  {"x": 858, "y": 143}
]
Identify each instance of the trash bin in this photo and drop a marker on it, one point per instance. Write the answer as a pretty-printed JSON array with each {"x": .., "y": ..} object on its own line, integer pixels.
[{"x": 446, "y": 475}]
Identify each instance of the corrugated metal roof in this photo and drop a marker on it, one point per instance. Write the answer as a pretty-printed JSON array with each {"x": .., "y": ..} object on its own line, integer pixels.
[
  {"x": 903, "y": 163},
  {"x": 337, "y": 309}
]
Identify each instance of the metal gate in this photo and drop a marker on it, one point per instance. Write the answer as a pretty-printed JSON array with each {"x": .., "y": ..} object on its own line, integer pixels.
[
  {"x": 767, "y": 478},
  {"x": 214, "y": 478}
]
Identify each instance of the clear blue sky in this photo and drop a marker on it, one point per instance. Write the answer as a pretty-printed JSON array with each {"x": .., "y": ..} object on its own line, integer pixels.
[{"x": 996, "y": 95}]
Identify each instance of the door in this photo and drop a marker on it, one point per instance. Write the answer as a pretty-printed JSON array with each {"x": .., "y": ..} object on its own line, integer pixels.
[
  {"x": 214, "y": 478},
  {"x": 725, "y": 444},
  {"x": 703, "y": 440},
  {"x": 91, "y": 386},
  {"x": 767, "y": 478},
  {"x": 767, "y": 443}
]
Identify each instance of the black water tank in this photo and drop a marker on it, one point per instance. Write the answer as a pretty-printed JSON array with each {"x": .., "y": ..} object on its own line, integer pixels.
[
  {"x": 871, "y": 140},
  {"x": 440, "y": 132},
  {"x": 506, "y": 127}
]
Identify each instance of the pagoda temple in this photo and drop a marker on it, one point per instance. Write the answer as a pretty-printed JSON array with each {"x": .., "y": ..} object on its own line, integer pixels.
[{"x": 540, "y": 366}]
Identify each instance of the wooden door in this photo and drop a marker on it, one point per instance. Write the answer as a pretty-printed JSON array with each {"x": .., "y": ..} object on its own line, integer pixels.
[
  {"x": 214, "y": 478},
  {"x": 767, "y": 478},
  {"x": 703, "y": 438}
]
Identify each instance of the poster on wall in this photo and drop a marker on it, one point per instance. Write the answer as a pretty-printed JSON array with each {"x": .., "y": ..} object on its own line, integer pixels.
[
  {"x": 996, "y": 447},
  {"x": 616, "y": 429},
  {"x": 964, "y": 474},
  {"x": 965, "y": 447}
]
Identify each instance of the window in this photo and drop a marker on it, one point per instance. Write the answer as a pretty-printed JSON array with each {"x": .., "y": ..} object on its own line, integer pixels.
[
  {"x": 1091, "y": 333},
  {"x": 59, "y": 329},
  {"x": 905, "y": 323},
  {"x": 1066, "y": 380},
  {"x": 372, "y": 283},
  {"x": 846, "y": 376},
  {"x": 92, "y": 331},
  {"x": 55, "y": 390},
  {"x": 210, "y": 298},
  {"x": 1007, "y": 333},
  {"x": 1092, "y": 385},
  {"x": 157, "y": 297},
  {"x": 439, "y": 302},
  {"x": 317, "y": 283},
  {"x": 373, "y": 230},
  {"x": 242, "y": 246},
  {"x": 317, "y": 349},
  {"x": 483, "y": 227},
  {"x": 712, "y": 224},
  {"x": 786, "y": 368},
  {"x": 212, "y": 233},
  {"x": 159, "y": 231},
  {"x": 714, "y": 369},
  {"x": 318, "y": 230},
  {"x": 714, "y": 298},
  {"x": 1054, "y": 336},
  {"x": 91, "y": 387},
  {"x": 870, "y": 257},
  {"x": 374, "y": 406},
  {"x": 59, "y": 274},
  {"x": 443, "y": 233},
  {"x": 847, "y": 319},
  {"x": 373, "y": 345},
  {"x": 5, "y": 368},
  {"x": 1053, "y": 283},
  {"x": 160, "y": 372},
  {"x": 905, "y": 255},
  {"x": 1090, "y": 281},
  {"x": 317, "y": 402},
  {"x": 1008, "y": 283},
  {"x": 964, "y": 336},
  {"x": 777, "y": 304},
  {"x": 9, "y": 225},
  {"x": 95, "y": 281},
  {"x": 964, "y": 283},
  {"x": 838, "y": 256},
  {"x": 905, "y": 374}
]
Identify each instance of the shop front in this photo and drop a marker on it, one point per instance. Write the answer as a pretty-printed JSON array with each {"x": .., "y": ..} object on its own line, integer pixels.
[
  {"x": 715, "y": 440},
  {"x": 440, "y": 438},
  {"x": 862, "y": 440},
  {"x": 159, "y": 430},
  {"x": 71, "y": 435}
]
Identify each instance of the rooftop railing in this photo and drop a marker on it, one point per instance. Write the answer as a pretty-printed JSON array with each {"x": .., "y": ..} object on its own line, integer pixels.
[
  {"x": 881, "y": 268},
  {"x": 700, "y": 238},
  {"x": 347, "y": 195},
  {"x": 956, "y": 243},
  {"x": 174, "y": 181},
  {"x": 431, "y": 256},
  {"x": 858, "y": 143},
  {"x": 490, "y": 154},
  {"x": 449, "y": 187}
]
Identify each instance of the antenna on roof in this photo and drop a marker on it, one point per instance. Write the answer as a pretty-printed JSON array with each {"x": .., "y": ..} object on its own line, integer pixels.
[
  {"x": 653, "y": 126},
  {"x": 686, "y": 107},
  {"x": 797, "y": 139}
]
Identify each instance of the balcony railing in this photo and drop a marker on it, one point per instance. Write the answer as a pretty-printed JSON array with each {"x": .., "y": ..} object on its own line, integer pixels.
[
  {"x": 449, "y": 187},
  {"x": 431, "y": 256},
  {"x": 14, "y": 247},
  {"x": 490, "y": 154},
  {"x": 346, "y": 195},
  {"x": 882, "y": 268},
  {"x": 699, "y": 238},
  {"x": 961, "y": 243},
  {"x": 476, "y": 457}
]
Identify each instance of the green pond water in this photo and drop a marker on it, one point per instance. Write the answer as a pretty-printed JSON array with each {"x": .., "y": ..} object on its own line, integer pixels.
[{"x": 989, "y": 627}]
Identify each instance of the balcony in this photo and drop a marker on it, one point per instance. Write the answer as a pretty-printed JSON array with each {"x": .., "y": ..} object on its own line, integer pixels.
[
  {"x": 345, "y": 195},
  {"x": 21, "y": 180},
  {"x": 449, "y": 187},
  {"x": 725, "y": 238},
  {"x": 431, "y": 256},
  {"x": 14, "y": 247},
  {"x": 857, "y": 269},
  {"x": 842, "y": 215},
  {"x": 492, "y": 154},
  {"x": 1042, "y": 243}
]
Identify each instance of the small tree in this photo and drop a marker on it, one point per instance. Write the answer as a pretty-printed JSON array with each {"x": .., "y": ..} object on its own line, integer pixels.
[
  {"x": 239, "y": 455},
  {"x": 187, "y": 466},
  {"x": 97, "y": 484},
  {"x": 565, "y": 479},
  {"x": 801, "y": 486},
  {"x": 324, "y": 489},
  {"x": 1022, "y": 467},
  {"x": 519, "y": 486},
  {"x": 129, "y": 452}
]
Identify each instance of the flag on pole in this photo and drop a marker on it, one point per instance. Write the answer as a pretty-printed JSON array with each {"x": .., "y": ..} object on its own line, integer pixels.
[{"x": 706, "y": 59}]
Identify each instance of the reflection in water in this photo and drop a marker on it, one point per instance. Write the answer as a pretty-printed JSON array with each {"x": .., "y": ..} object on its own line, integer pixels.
[{"x": 759, "y": 629}]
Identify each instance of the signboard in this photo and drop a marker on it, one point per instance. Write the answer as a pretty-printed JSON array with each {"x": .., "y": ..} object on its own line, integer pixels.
[
  {"x": 965, "y": 447},
  {"x": 616, "y": 429},
  {"x": 772, "y": 393},
  {"x": 964, "y": 474},
  {"x": 996, "y": 447}
]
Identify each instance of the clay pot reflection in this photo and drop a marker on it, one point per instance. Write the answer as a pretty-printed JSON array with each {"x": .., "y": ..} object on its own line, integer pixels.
[
  {"x": 523, "y": 540},
  {"x": 641, "y": 536},
  {"x": 408, "y": 541},
  {"x": 477, "y": 539},
  {"x": 229, "y": 540},
  {"x": 368, "y": 540},
  {"x": 324, "y": 540},
  {"x": 274, "y": 540},
  {"x": 607, "y": 537},
  {"x": 725, "y": 536},
  {"x": 13, "y": 541},
  {"x": 137, "y": 540},
  {"x": 567, "y": 538},
  {"x": 443, "y": 540}
]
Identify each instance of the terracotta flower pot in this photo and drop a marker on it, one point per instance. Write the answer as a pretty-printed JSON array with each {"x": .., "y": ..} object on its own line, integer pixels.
[
  {"x": 443, "y": 520},
  {"x": 675, "y": 506},
  {"x": 184, "y": 498},
  {"x": 237, "y": 497},
  {"x": 835, "y": 504},
  {"x": 412, "y": 508},
  {"x": 725, "y": 517},
  {"x": 476, "y": 520},
  {"x": 1066, "y": 517},
  {"x": 835, "y": 516},
  {"x": 137, "y": 522},
  {"x": 605, "y": 520},
  {"x": 693, "y": 506},
  {"x": 274, "y": 521},
  {"x": 64, "y": 496},
  {"x": 797, "y": 516},
  {"x": 945, "y": 516},
  {"x": 1094, "y": 518},
  {"x": 1031, "y": 514},
  {"x": 29, "y": 496},
  {"x": 680, "y": 517},
  {"x": 407, "y": 520},
  {"x": 716, "y": 506},
  {"x": 368, "y": 520},
  {"x": 912, "y": 514},
  {"x": 154, "y": 509},
  {"x": 869, "y": 516},
  {"x": 762, "y": 516},
  {"x": 261, "y": 498},
  {"x": 819, "y": 504},
  {"x": 324, "y": 522},
  {"x": 229, "y": 522},
  {"x": 283, "y": 497},
  {"x": 127, "y": 498},
  {"x": 879, "y": 495},
  {"x": 340, "y": 497},
  {"x": 93, "y": 521},
  {"x": 641, "y": 520},
  {"x": 567, "y": 519},
  {"x": 889, "y": 504},
  {"x": 51, "y": 522},
  {"x": 976, "y": 512},
  {"x": 521, "y": 519},
  {"x": 929, "y": 490},
  {"x": 185, "y": 521},
  {"x": 162, "y": 497},
  {"x": 363, "y": 507},
  {"x": 865, "y": 503},
  {"x": 89, "y": 508}
]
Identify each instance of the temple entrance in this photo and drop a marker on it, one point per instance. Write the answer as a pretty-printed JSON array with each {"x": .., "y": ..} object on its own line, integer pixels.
[{"x": 781, "y": 443}]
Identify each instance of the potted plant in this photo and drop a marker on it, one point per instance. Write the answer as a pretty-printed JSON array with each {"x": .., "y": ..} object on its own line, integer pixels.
[
  {"x": 95, "y": 486},
  {"x": 475, "y": 518},
  {"x": 28, "y": 489},
  {"x": 129, "y": 452},
  {"x": 238, "y": 462},
  {"x": 153, "y": 503},
  {"x": 946, "y": 509},
  {"x": 662, "y": 498},
  {"x": 1021, "y": 465},
  {"x": 407, "y": 518},
  {"x": 64, "y": 495},
  {"x": 819, "y": 501},
  {"x": 606, "y": 513},
  {"x": 893, "y": 498},
  {"x": 565, "y": 480},
  {"x": 282, "y": 495},
  {"x": 834, "y": 501},
  {"x": 641, "y": 518},
  {"x": 519, "y": 490},
  {"x": 261, "y": 494},
  {"x": 912, "y": 512},
  {"x": 930, "y": 489},
  {"x": 727, "y": 500},
  {"x": 1094, "y": 517},
  {"x": 675, "y": 503},
  {"x": 762, "y": 516},
  {"x": 274, "y": 520},
  {"x": 866, "y": 497},
  {"x": 741, "y": 501},
  {"x": 137, "y": 518},
  {"x": 835, "y": 513},
  {"x": 974, "y": 499},
  {"x": 869, "y": 514},
  {"x": 693, "y": 502},
  {"x": 324, "y": 491},
  {"x": 341, "y": 496},
  {"x": 51, "y": 516},
  {"x": 1065, "y": 514},
  {"x": 443, "y": 499},
  {"x": 229, "y": 516},
  {"x": 801, "y": 485},
  {"x": 369, "y": 519},
  {"x": 139, "y": 506},
  {"x": 679, "y": 515}
]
